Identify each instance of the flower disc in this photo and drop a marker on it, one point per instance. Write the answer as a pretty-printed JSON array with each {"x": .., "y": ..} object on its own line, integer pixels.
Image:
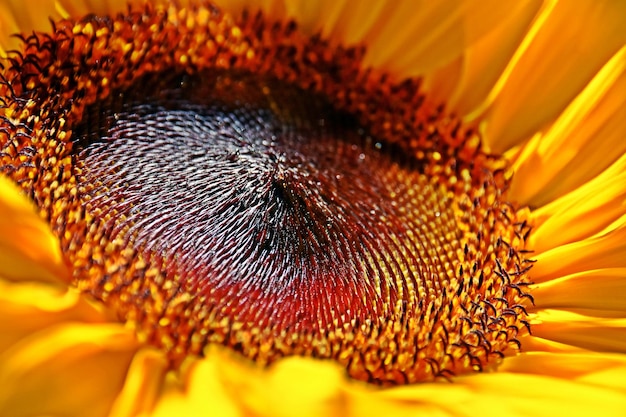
[{"x": 231, "y": 181}]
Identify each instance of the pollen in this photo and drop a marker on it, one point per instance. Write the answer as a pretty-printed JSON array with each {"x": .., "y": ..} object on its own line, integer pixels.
[{"x": 218, "y": 179}]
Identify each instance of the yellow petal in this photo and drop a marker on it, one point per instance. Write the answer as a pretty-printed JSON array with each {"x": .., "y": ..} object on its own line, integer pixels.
[
  {"x": 484, "y": 61},
  {"x": 498, "y": 394},
  {"x": 594, "y": 333},
  {"x": 588, "y": 137},
  {"x": 416, "y": 38},
  {"x": 572, "y": 45},
  {"x": 15, "y": 18},
  {"x": 28, "y": 307},
  {"x": 68, "y": 370},
  {"x": 28, "y": 250},
  {"x": 601, "y": 369},
  {"x": 596, "y": 252},
  {"x": 602, "y": 289},
  {"x": 583, "y": 212},
  {"x": 201, "y": 391},
  {"x": 300, "y": 386},
  {"x": 533, "y": 343},
  {"x": 142, "y": 386}
]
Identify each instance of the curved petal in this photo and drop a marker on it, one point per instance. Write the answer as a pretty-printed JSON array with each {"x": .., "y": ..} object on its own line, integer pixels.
[
  {"x": 300, "y": 386},
  {"x": 485, "y": 60},
  {"x": 91, "y": 360},
  {"x": 28, "y": 250},
  {"x": 602, "y": 289},
  {"x": 573, "y": 43},
  {"x": 597, "y": 252},
  {"x": 199, "y": 391},
  {"x": 594, "y": 333},
  {"x": 583, "y": 212},
  {"x": 601, "y": 369},
  {"x": 588, "y": 137},
  {"x": 143, "y": 383},
  {"x": 26, "y": 308}
]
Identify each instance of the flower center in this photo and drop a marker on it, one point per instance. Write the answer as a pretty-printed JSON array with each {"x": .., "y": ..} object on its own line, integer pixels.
[{"x": 235, "y": 182}]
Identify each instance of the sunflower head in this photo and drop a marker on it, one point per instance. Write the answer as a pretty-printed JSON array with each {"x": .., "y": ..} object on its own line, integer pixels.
[{"x": 217, "y": 179}]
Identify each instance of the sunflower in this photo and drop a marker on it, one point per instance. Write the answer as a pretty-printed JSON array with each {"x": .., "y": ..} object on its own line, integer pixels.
[{"x": 509, "y": 119}]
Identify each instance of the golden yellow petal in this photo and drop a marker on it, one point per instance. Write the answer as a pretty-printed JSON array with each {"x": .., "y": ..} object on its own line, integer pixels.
[
  {"x": 77, "y": 8},
  {"x": 575, "y": 41},
  {"x": 66, "y": 370},
  {"x": 601, "y": 289},
  {"x": 570, "y": 153},
  {"x": 484, "y": 61},
  {"x": 28, "y": 307},
  {"x": 28, "y": 250},
  {"x": 299, "y": 386},
  {"x": 594, "y": 333},
  {"x": 142, "y": 386},
  {"x": 532, "y": 343},
  {"x": 417, "y": 38},
  {"x": 511, "y": 394},
  {"x": 201, "y": 391},
  {"x": 597, "y": 252},
  {"x": 583, "y": 212},
  {"x": 600, "y": 369},
  {"x": 16, "y": 18}
]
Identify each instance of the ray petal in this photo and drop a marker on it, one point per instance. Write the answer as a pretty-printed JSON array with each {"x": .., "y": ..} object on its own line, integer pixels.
[
  {"x": 142, "y": 386},
  {"x": 570, "y": 152},
  {"x": 599, "y": 251},
  {"x": 59, "y": 371},
  {"x": 572, "y": 45},
  {"x": 583, "y": 212},
  {"x": 28, "y": 249},
  {"x": 594, "y": 333},
  {"x": 602, "y": 289}
]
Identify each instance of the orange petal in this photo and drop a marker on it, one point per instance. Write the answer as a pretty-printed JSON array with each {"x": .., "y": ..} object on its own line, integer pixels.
[
  {"x": 69, "y": 370},
  {"x": 416, "y": 38},
  {"x": 574, "y": 42},
  {"x": 15, "y": 17}
]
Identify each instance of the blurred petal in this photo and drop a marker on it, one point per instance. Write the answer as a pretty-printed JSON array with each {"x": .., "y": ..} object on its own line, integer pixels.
[
  {"x": 26, "y": 308},
  {"x": 200, "y": 393},
  {"x": 142, "y": 386},
  {"x": 601, "y": 369},
  {"x": 14, "y": 17},
  {"x": 484, "y": 61},
  {"x": 60, "y": 371},
  {"x": 28, "y": 250}
]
